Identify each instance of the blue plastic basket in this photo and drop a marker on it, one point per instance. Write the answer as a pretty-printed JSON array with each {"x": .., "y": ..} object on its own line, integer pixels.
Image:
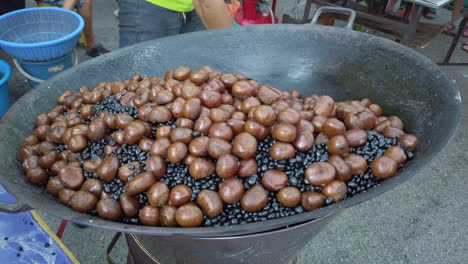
[
  {"x": 5, "y": 71},
  {"x": 40, "y": 33}
]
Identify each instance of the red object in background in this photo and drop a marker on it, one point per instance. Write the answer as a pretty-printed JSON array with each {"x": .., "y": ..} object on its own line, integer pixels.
[{"x": 250, "y": 16}]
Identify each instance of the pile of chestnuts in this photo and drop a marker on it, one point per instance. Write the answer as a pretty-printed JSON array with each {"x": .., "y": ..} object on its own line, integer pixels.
[{"x": 207, "y": 148}]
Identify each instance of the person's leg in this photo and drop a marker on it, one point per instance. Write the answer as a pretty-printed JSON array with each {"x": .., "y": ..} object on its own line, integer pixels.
[
  {"x": 86, "y": 11},
  {"x": 93, "y": 48},
  {"x": 192, "y": 22},
  {"x": 141, "y": 21}
]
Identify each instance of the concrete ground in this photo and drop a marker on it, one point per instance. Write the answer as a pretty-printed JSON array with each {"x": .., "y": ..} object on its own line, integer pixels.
[{"x": 424, "y": 220}]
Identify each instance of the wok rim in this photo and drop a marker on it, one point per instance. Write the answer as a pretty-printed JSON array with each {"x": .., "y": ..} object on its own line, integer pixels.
[{"x": 269, "y": 225}]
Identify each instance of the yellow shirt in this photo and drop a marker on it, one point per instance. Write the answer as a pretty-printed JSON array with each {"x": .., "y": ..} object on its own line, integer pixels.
[{"x": 175, "y": 5}]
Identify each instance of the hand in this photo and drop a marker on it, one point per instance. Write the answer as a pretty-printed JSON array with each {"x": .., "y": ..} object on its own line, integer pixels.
[{"x": 213, "y": 13}]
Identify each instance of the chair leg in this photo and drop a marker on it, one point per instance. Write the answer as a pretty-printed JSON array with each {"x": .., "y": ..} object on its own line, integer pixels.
[
  {"x": 111, "y": 246},
  {"x": 461, "y": 27}
]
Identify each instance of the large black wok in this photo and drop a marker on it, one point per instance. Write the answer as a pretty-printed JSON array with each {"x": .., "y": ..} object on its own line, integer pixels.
[{"x": 311, "y": 59}]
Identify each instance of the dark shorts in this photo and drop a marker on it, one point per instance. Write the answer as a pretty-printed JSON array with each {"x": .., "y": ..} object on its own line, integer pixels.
[
  {"x": 141, "y": 21},
  {"x": 79, "y": 3}
]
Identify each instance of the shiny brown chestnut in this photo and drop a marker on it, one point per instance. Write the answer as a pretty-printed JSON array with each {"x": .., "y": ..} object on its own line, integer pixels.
[
  {"x": 84, "y": 202},
  {"x": 237, "y": 126},
  {"x": 304, "y": 141},
  {"x": 356, "y": 137},
  {"x": 231, "y": 190},
  {"x": 268, "y": 94},
  {"x": 57, "y": 166},
  {"x": 203, "y": 124},
  {"x": 312, "y": 200},
  {"x": 343, "y": 171},
  {"x": 140, "y": 183},
  {"x": 357, "y": 163},
  {"x": 108, "y": 168},
  {"x": 157, "y": 166},
  {"x": 134, "y": 132},
  {"x": 254, "y": 199},
  {"x": 324, "y": 106},
  {"x": 384, "y": 167},
  {"x": 159, "y": 114},
  {"x": 184, "y": 123},
  {"x": 243, "y": 89},
  {"x": 160, "y": 147},
  {"x": 71, "y": 176},
  {"x": 180, "y": 195},
  {"x": 77, "y": 143},
  {"x": 91, "y": 166},
  {"x": 289, "y": 115},
  {"x": 192, "y": 108},
  {"x": 338, "y": 145},
  {"x": 333, "y": 127},
  {"x": 221, "y": 130},
  {"x": 245, "y": 145},
  {"x": 149, "y": 216},
  {"x": 182, "y": 73},
  {"x": 199, "y": 146},
  {"x": 158, "y": 194},
  {"x": 145, "y": 144},
  {"x": 336, "y": 189},
  {"x": 167, "y": 215},
  {"x": 247, "y": 168},
  {"x": 210, "y": 202},
  {"x": 176, "y": 152},
  {"x": 201, "y": 168},
  {"x": 128, "y": 170},
  {"x": 318, "y": 122},
  {"x": 218, "y": 147},
  {"x": 257, "y": 130},
  {"x": 37, "y": 176},
  {"x": 189, "y": 215},
  {"x": 31, "y": 163},
  {"x": 180, "y": 134},
  {"x": 396, "y": 153},
  {"x": 392, "y": 132},
  {"x": 129, "y": 204},
  {"x": 48, "y": 159},
  {"x": 54, "y": 185},
  {"x": 284, "y": 132},
  {"x": 274, "y": 180},
  {"x": 265, "y": 115},
  {"x": 219, "y": 115},
  {"x": 109, "y": 209},
  {"x": 282, "y": 151},
  {"x": 320, "y": 173},
  {"x": 227, "y": 166},
  {"x": 395, "y": 122},
  {"x": 289, "y": 196},
  {"x": 163, "y": 131},
  {"x": 408, "y": 142},
  {"x": 93, "y": 186},
  {"x": 65, "y": 195}
]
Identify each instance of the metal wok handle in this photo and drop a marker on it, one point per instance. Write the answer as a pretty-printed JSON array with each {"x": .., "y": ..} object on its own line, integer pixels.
[
  {"x": 340, "y": 10},
  {"x": 14, "y": 207}
]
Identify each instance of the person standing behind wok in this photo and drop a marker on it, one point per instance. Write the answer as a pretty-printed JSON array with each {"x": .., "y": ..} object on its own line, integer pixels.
[{"x": 142, "y": 20}]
